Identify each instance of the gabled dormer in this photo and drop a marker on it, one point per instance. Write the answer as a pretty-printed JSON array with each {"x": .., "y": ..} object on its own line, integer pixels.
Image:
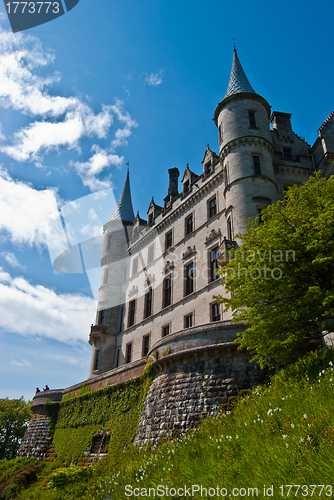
[
  {"x": 209, "y": 161},
  {"x": 188, "y": 179},
  {"x": 137, "y": 226},
  {"x": 152, "y": 212}
]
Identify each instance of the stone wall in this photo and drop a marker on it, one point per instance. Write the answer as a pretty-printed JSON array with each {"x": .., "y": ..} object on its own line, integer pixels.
[
  {"x": 183, "y": 394},
  {"x": 37, "y": 438}
]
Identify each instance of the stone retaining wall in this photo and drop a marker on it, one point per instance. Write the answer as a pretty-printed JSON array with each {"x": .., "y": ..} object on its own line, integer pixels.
[
  {"x": 37, "y": 439},
  {"x": 183, "y": 394}
]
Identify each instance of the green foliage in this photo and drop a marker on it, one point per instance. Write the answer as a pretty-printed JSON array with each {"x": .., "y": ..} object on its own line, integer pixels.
[
  {"x": 14, "y": 418},
  {"x": 282, "y": 277},
  {"x": 280, "y": 433},
  {"x": 16, "y": 474},
  {"x": 66, "y": 475},
  {"x": 115, "y": 409}
]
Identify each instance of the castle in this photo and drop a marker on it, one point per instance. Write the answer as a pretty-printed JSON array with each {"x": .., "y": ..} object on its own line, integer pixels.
[{"x": 158, "y": 275}]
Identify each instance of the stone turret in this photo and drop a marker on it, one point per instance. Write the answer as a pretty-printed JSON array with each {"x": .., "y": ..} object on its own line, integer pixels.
[
  {"x": 117, "y": 231},
  {"x": 246, "y": 150}
]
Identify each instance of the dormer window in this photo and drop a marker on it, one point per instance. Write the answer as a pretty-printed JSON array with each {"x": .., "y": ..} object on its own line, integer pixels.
[
  {"x": 208, "y": 168},
  {"x": 251, "y": 116},
  {"x": 186, "y": 187},
  {"x": 150, "y": 219}
]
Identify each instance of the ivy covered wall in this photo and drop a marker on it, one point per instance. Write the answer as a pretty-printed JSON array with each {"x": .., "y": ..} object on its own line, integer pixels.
[{"x": 114, "y": 409}]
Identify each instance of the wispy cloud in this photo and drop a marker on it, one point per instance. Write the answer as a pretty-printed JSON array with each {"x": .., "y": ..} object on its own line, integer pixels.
[
  {"x": 11, "y": 259},
  {"x": 57, "y": 122},
  {"x": 104, "y": 158},
  {"x": 43, "y": 312},
  {"x": 154, "y": 79}
]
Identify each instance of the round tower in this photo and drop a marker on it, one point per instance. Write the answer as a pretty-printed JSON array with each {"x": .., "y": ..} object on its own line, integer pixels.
[
  {"x": 246, "y": 151},
  {"x": 117, "y": 233}
]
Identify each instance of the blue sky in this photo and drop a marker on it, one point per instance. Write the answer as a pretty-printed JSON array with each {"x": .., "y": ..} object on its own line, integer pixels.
[{"x": 115, "y": 82}]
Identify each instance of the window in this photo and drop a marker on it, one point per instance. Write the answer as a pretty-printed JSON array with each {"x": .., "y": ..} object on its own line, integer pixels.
[
  {"x": 167, "y": 292},
  {"x": 168, "y": 240},
  {"x": 256, "y": 162},
  {"x": 215, "y": 312},
  {"x": 286, "y": 154},
  {"x": 128, "y": 353},
  {"x": 135, "y": 266},
  {"x": 146, "y": 345},
  {"x": 251, "y": 116},
  {"x": 121, "y": 322},
  {"x": 189, "y": 279},
  {"x": 165, "y": 331},
  {"x": 132, "y": 311},
  {"x": 188, "y": 321},
  {"x": 150, "y": 219},
  {"x": 189, "y": 225},
  {"x": 186, "y": 187},
  {"x": 97, "y": 360},
  {"x": 150, "y": 254},
  {"x": 148, "y": 303},
  {"x": 106, "y": 277},
  {"x": 220, "y": 133},
  {"x": 229, "y": 229},
  {"x": 117, "y": 358},
  {"x": 109, "y": 242},
  {"x": 212, "y": 207},
  {"x": 213, "y": 264},
  {"x": 102, "y": 317},
  {"x": 208, "y": 168}
]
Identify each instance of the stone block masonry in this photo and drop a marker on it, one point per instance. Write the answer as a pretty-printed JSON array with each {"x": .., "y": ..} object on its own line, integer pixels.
[{"x": 182, "y": 395}]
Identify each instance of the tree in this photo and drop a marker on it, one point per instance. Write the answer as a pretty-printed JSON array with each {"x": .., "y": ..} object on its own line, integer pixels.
[
  {"x": 282, "y": 275},
  {"x": 14, "y": 418}
]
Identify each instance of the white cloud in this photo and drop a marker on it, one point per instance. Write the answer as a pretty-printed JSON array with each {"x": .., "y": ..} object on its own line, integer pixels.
[
  {"x": 58, "y": 122},
  {"x": 104, "y": 158},
  {"x": 42, "y": 137},
  {"x": 22, "y": 87},
  {"x": 11, "y": 259},
  {"x": 36, "y": 310},
  {"x": 154, "y": 79},
  {"x": 24, "y": 211}
]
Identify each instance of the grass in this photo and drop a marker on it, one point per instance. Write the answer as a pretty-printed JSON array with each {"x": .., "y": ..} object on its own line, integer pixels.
[{"x": 281, "y": 433}]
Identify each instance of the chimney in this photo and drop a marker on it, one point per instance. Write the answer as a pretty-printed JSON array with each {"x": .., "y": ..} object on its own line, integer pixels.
[{"x": 173, "y": 181}]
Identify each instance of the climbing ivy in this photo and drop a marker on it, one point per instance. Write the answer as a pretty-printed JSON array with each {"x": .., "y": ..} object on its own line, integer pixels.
[{"x": 115, "y": 409}]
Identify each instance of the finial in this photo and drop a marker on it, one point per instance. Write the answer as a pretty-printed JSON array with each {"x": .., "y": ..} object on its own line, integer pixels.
[
  {"x": 127, "y": 164},
  {"x": 208, "y": 145},
  {"x": 188, "y": 165},
  {"x": 234, "y": 45}
]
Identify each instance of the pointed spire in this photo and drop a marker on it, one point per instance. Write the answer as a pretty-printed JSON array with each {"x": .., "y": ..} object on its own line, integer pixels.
[
  {"x": 124, "y": 209},
  {"x": 238, "y": 80}
]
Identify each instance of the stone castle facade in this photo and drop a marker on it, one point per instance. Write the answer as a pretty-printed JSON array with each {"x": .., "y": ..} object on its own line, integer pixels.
[{"x": 158, "y": 274}]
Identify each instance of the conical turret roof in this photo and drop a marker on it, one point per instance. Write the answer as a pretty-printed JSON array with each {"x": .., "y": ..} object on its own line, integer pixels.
[
  {"x": 124, "y": 209},
  {"x": 238, "y": 80}
]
